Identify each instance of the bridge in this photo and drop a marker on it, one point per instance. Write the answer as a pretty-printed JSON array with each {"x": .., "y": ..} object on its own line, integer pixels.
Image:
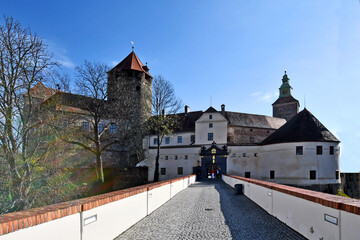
[{"x": 184, "y": 209}]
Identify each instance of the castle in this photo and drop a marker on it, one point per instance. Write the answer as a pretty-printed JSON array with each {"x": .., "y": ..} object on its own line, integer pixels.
[{"x": 291, "y": 147}]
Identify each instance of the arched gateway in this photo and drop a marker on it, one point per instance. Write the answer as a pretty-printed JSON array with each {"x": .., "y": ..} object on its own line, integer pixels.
[{"x": 213, "y": 159}]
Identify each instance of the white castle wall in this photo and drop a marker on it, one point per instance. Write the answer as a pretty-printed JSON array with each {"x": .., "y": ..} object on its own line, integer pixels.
[
  {"x": 289, "y": 168},
  {"x": 259, "y": 161}
]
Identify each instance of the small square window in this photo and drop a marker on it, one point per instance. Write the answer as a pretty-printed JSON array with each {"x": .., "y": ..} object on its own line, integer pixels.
[
  {"x": 192, "y": 138},
  {"x": 210, "y": 116},
  {"x": 255, "y": 154},
  {"x": 85, "y": 126},
  {"x": 167, "y": 140},
  {"x": 210, "y": 136},
  {"x": 299, "y": 150},
  {"x": 250, "y": 129},
  {"x": 312, "y": 174},
  {"x": 337, "y": 174},
  {"x": 163, "y": 171},
  {"x": 176, "y": 157},
  {"x": 210, "y": 125},
  {"x": 331, "y": 150},
  {"x": 166, "y": 157},
  {"x": 113, "y": 128},
  {"x": 155, "y": 141},
  {"x": 244, "y": 154},
  {"x": 186, "y": 157},
  {"x": 251, "y": 139},
  {"x": 180, "y": 171},
  {"x": 272, "y": 174},
  {"x": 319, "y": 150},
  {"x": 179, "y": 138},
  {"x": 247, "y": 174}
]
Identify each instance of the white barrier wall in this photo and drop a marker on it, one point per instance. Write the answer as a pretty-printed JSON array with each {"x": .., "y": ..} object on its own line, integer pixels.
[
  {"x": 99, "y": 217},
  {"x": 113, "y": 218},
  {"x": 157, "y": 197},
  {"x": 313, "y": 214},
  {"x": 176, "y": 187},
  {"x": 62, "y": 228}
]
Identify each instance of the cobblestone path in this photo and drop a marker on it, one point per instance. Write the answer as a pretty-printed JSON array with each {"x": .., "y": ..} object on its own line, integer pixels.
[{"x": 209, "y": 210}]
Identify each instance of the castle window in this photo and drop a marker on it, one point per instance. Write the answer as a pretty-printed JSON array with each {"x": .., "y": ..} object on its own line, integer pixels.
[
  {"x": 272, "y": 174},
  {"x": 192, "y": 138},
  {"x": 250, "y": 129},
  {"x": 251, "y": 139},
  {"x": 113, "y": 128},
  {"x": 166, "y": 157},
  {"x": 186, "y": 157},
  {"x": 299, "y": 150},
  {"x": 331, "y": 150},
  {"x": 247, "y": 174},
  {"x": 163, "y": 171},
  {"x": 337, "y": 174},
  {"x": 210, "y": 125},
  {"x": 180, "y": 171},
  {"x": 210, "y": 136},
  {"x": 210, "y": 116},
  {"x": 155, "y": 141},
  {"x": 85, "y": 126},
  {"x": 179, "y": 139},
  {"x": 100, "y": 127},
  {"x": 255, "y": 154},
  {"x": 244, "y": 154},
  {"x": 167, "y": 140},
  {"x": 267, "y": 131},
  {"x": 176, "y": 157},
  {"x": 312, "y": 174},
  {"x": 319, "y": 150}
]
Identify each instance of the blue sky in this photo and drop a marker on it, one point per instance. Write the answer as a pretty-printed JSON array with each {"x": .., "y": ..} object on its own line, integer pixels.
[{"x": 232, "y": 51}]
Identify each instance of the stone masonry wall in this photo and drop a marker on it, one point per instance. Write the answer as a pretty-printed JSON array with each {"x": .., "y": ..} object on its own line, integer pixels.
[
  {"x": 285, "y": 110},
  {"x": 245, "y": 135}
]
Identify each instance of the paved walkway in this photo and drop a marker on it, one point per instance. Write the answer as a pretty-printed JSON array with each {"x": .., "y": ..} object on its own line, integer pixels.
[{"x": 209, "y": 210}]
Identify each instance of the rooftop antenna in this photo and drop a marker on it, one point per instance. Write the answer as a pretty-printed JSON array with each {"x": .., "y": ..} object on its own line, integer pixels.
[
  {"x": 210, "y": 101},
  {"x": 304, "y": 101},
  {"x": 132, "y": 43}
]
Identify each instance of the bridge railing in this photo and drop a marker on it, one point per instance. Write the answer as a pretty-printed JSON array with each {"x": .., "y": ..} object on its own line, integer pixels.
[
  {"x": 315, "y": 215},
  {"x": 103, "y": 216}
]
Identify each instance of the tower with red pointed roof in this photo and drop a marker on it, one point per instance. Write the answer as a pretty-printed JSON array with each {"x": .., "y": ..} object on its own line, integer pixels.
[{"x": 131, "y": 81}]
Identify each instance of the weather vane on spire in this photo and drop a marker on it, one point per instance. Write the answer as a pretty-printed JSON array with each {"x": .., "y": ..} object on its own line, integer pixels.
[{"x": 132, "y": 43}]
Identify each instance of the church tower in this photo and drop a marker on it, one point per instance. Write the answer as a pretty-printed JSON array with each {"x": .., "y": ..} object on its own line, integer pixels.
[
  {"x": 130, "y": 86},
  {"x": 286, "y": 106}
]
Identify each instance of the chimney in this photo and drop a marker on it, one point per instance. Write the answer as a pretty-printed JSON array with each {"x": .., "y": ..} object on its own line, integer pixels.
[
  {"x": 187, "y": 109},
  {"x": 223, "y": 107},
  {"x": 163, "y": 112}
]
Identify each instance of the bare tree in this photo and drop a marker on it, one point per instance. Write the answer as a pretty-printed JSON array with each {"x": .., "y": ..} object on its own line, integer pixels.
[
  {"x": 106, "y": 123},
  {"x": 24, "y": 60},
  {"x": 91, "y": 82},
  {"x": 164, "y": 120}
]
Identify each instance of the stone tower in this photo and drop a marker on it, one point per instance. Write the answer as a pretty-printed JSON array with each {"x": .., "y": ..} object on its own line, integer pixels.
[
  {"x": 130, "y": 85},
  {"x": 286, "y": 106}
]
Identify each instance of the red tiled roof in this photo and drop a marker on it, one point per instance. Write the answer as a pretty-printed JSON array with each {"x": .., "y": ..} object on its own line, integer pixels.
[
  {"x": 40, "y": 91},
  {"x": 132, "y": 62}
]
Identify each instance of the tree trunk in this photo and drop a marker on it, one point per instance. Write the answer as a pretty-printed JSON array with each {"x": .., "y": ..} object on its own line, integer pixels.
[
  {"x": 100, "y": 170},
  {"x": 156, "y": 173}
]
